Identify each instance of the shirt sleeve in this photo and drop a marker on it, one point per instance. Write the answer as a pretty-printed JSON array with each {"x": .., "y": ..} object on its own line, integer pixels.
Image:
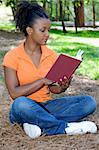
[{"x": 10, "y": 60}]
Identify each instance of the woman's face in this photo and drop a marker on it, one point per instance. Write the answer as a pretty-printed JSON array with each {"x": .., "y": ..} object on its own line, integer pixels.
[{"x": 40, "y": 31}]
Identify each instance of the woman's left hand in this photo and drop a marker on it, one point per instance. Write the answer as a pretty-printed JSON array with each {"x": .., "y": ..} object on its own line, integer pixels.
[
  {"x": 64, "y": 83},
  {"x": 59, "y": 87}
]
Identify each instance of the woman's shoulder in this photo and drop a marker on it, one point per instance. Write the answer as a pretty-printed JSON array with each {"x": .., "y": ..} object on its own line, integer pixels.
[
  {"x": 11, "y": 58},
  {"x": 13, "y": 52}
]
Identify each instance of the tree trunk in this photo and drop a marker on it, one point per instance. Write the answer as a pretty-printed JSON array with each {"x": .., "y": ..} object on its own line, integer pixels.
[
  {"x": 13, "y": 12},
  {"x": 63, "y": 25},
  {"x": 67, "y": 6},
  {"x": 44, "y": 4},
  {"x": 79, "y": 13},
  {"x": 60, "y": 10},
  {"x": 61, "y": 16},
  {"x": 75, "y": 21},
  {"x": 94, "y": 17},
  {"x": 51, "y": 9},
  {"x": 56, "y": 10}
]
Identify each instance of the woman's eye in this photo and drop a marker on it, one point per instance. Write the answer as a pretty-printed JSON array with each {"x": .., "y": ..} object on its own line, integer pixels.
[{"x": 42, "y": 30}]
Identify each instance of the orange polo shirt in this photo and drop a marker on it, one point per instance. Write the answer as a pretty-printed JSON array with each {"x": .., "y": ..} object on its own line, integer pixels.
[{"x": 27, "y": 72}]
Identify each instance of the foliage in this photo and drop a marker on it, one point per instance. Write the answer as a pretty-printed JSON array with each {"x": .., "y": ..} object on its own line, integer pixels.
[
  {"x": 53, "y": 8},
  {"x": 0, "y": 1},
  {"x": 11, "y": 3}
]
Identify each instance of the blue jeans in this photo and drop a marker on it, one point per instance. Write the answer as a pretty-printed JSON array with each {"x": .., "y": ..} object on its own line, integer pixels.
[{"x": 51, "y": 116}]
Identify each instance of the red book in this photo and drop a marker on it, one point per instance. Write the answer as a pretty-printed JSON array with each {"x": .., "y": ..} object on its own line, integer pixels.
[{"x": 64, "y": 66}]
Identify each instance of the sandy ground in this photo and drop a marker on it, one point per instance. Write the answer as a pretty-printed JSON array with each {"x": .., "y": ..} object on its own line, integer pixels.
[{"x": 13, "y": 138}]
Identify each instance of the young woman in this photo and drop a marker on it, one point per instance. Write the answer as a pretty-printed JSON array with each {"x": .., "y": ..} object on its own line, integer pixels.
[{"x": 25, "y": 68}]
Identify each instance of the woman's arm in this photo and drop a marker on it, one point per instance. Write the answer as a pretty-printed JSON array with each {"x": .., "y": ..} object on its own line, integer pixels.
[{"x": 14, "y": 88}]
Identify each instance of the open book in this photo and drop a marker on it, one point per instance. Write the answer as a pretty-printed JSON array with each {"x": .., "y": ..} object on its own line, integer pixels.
[{"x": 65, "y": 65}]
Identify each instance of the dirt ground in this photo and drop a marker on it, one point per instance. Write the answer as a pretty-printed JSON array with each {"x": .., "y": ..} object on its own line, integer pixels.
[{"x": 13, "y": 138}]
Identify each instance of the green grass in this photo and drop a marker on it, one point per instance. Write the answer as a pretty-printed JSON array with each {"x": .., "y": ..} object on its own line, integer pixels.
[
  {"x": 8, "y": 27},
  {"x": 1, "y": 79},
  {"x": 85, "y": 33},
  {"x": 2, "y": 53},
  {"x": 56, "y": 24}
]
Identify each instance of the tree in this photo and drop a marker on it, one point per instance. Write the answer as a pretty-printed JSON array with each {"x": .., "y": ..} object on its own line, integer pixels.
[
  {"x": 61, "y": 16},
  {"x": 93, "y": 3},
  {"x": 44, "y": 3},
  {"x": 0, "y": 1},
  {"x": 12, "y": 4},
  {"x": 94, "y": 17},
  {"x": 67, "y": 3},
  {"x": 60, "y": 10},
  {"x": 79, "y": 12},
  {"x": 56, "y": 10},
  {"x": 51, "y": 8}
]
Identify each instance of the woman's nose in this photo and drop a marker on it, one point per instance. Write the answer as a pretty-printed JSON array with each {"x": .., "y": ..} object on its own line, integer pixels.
[{"x": 47, "y": 33}]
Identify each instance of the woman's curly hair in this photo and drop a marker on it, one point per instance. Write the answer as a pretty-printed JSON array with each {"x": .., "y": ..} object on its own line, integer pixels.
[{"x": 26, "y": 14}]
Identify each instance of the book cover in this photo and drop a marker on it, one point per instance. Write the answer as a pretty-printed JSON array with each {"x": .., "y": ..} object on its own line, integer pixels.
[{"x": 64, "y": 66}]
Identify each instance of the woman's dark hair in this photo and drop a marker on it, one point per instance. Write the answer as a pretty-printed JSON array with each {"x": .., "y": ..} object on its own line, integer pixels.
[{"x": 27, "y": 13}]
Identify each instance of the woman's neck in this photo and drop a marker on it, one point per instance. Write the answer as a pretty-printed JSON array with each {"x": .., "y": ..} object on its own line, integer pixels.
[{"x": 31, "y": 47}]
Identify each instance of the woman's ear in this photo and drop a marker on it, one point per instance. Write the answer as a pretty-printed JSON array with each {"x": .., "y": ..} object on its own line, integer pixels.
[{"x": 29, "y": 30}]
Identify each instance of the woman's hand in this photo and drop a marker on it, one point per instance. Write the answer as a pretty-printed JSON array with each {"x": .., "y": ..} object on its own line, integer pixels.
[
  {"x": 60, "y": 87},
  {"x": 64, "y": 83},
  {"x": 55, "y": 88}
]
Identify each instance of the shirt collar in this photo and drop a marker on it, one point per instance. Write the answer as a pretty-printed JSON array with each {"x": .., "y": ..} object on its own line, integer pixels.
[
  {"x": 22, "y": 54},
  {"x": 45, "y": 52}
]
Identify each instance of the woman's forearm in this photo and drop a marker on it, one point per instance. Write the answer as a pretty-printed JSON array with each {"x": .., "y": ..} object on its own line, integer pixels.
[{"x": 26, "y": 89}]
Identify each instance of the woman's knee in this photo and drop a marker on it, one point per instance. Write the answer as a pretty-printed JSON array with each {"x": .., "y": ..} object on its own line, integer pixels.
[
  {"x": 90, "y": 103},
  {"x": 21, "y": 103}
]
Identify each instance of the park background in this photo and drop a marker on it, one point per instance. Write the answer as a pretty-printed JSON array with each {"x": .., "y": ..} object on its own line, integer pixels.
[{"x": 75, "y": 25}]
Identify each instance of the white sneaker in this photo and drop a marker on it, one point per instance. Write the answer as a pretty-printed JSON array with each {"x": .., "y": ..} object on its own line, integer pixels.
[
  {"x": 81, "y": 128},
  {"x": 33, "y": 131}
]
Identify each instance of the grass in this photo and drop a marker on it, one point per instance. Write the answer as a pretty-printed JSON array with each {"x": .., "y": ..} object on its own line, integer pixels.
[
  {"x": 2, "y": 53},
  {"x": 84, "y": 33},
  {"x": 70, "y": 43},
  {"x": 8, "y": 27},
  {"x": 1, "y": 79}
]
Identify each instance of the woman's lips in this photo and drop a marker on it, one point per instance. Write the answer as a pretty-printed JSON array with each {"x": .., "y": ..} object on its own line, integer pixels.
[{"x": 44, "y": 40}]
